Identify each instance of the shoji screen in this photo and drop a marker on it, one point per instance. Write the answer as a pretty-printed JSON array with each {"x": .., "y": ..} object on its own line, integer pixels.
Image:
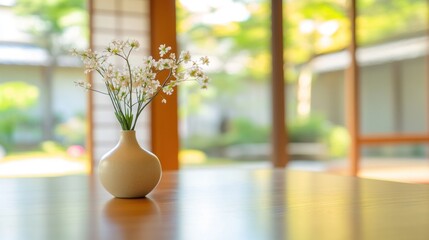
[{"x": 116, "y": 19}]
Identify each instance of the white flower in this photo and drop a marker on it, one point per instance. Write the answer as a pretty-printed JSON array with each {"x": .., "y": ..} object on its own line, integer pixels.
[
  {"x": 83, "y": 84},
  {"x": 132, "y": 88},
  {"x": 148, "y": 61},
  {"x": 168, "y": 89},
  {"x": 205, "y": 60},
  {"x": 185, "y": 56},
  {"x": 134, "y": 44},
  {"x": 165, "y": 64},
  {"x": 194, "y": 71},
  {"x": 163, "y": 50},
  {"x": 180, "y": 76}
]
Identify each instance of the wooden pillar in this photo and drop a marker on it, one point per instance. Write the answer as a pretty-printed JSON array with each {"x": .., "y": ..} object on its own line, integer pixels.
[
  {"x": 352, "y": 94},
  {"x": 279, "y": 135},
  {"x": 164, "y": 119}
]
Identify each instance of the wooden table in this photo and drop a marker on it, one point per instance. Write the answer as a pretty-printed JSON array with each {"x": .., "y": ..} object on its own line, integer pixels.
[{"x": 217, "y": 204}]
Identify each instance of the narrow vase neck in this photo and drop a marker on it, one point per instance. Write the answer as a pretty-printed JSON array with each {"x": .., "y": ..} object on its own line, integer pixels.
[{"x": 128, "y": 137}]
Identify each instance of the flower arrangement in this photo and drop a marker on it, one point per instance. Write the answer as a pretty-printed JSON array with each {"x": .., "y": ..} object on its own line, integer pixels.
[{"x": 132, "y": 88}]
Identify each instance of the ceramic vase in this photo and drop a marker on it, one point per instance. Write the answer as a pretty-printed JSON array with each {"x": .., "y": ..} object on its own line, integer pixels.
[{"x": 129, "y": 171}]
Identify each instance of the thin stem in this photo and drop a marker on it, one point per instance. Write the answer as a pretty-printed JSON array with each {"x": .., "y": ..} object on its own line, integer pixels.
[
  {"x": 128, "y": 107},
  {"x": 139, "y": 111},
  {"x": 118, "y": 109},
  {"x": 97, "y": 91}
]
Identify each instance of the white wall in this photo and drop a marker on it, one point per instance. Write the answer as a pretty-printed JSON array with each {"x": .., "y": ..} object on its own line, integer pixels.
[{"x": 384, "y": 108}]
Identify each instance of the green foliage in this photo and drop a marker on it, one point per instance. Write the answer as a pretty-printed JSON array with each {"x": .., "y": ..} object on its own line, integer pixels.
[
  {"x": 239, "y": 131},
  {"x": 384, "y": 20},
  {"x": 396, "y": 151},
  {"x": 308, "y": 129},
  {"x": 314, "y": 129},
  {"x": 73, "y": 131},
  {"x": 15, "y": 99},
  {"x": 338, "y": 142},
  {"x": 17, "y": 95},
  {"x": 321, "y": 9},
  {"x": 51, "y": 19},
  {"x": 52, "y": 147},
  {"x": 246, "y": 131},
  {"x": 55, "y": 15},
  {"x": 247, "y": 44},
  {"x": 318, "y": 129},
  {"x": 302, "y": 46},
  {"x": 252, "y": 36}
]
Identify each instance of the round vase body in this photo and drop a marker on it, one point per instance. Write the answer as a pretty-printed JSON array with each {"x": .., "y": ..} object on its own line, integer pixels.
[{"x": 129, "y": 171}]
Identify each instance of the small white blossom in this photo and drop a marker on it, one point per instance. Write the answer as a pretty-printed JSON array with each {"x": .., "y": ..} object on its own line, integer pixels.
[
  {"x": 163, "y": 50},
  {"x": 205, "y": 60},
  {"x": 185, "y": 56},
  {"x": 168, "y": 89},
  {"x": 134, "y": 44},
  {"x": 165, "y": 64},
  {"x": 83, "y": 84},
  {"x": 132, "y": 88},
  {"x": 148, "y": 61}
]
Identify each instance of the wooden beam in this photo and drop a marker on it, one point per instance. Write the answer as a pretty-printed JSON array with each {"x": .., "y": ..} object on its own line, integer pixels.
[
  {"x": 164, "y": 119},
  {"x": 279, "y": 134},
  {"x": 352, "y": 93},
  {"x": 393, "y": 139}
]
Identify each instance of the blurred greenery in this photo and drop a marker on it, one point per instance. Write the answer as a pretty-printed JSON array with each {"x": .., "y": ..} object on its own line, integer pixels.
[
  {"x": 396, "y": 151},
  {"x": 16, "y": 98},
  {"x": 73, "y": 131},
  {"x": 246, "y": 131},
  {"x": 381, "y": 20},
  {"x": 52, "y": 147},
  {"x": 240, "y": 52},
  {"x": 308, "y": 129},
  {"x": 338, "y": 142},
  {"x": 52, "y": 19},
  {"x": 314, "y": 129},
  {"x": 247, "y": 43},
  {"x": 240, "y": 131},
  {"x": 56, "y": 26}
]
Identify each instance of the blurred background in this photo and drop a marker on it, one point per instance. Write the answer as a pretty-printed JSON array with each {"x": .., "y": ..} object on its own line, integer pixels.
[{"x": 43, "y": 115}]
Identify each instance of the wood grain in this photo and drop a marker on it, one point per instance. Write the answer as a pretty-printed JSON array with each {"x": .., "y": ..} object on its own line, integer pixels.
[{"x": 217, "y": 204}]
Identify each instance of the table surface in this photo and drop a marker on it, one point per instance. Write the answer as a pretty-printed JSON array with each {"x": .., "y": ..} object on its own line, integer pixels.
[{"x": 217, "y": 204}]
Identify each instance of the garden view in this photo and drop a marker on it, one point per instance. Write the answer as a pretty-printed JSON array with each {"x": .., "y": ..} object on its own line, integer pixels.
[{"x": 43, "y": 115}]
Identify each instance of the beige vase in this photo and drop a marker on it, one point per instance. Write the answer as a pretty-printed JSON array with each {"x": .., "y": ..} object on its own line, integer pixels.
[{"x": 129, "y": 171}]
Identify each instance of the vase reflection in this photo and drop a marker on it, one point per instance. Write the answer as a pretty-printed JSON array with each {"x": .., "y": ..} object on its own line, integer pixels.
[{"x": 123, "y": 215}]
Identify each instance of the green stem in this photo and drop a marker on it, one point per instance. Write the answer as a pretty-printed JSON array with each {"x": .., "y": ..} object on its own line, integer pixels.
[{"x": 140, "y": 110}]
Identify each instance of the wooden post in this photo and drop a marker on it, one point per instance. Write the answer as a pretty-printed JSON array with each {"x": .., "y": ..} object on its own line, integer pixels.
[
  {"x": 279, "y": 135},
  {"x": 352, "y": 93},
  {"x": 164, "y": 119}
]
